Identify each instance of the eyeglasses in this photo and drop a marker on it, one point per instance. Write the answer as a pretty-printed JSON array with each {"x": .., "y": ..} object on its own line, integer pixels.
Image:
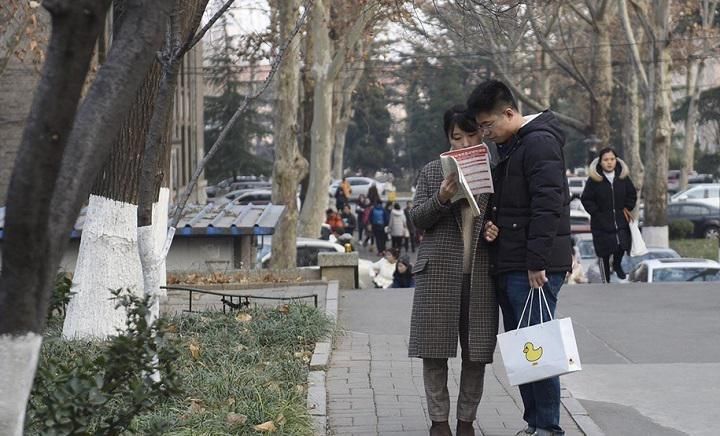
[{"x": 486, "y": 126}]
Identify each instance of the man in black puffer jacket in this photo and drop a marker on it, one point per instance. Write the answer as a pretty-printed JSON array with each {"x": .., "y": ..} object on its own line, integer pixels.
[{"x": 531, "y": 208}]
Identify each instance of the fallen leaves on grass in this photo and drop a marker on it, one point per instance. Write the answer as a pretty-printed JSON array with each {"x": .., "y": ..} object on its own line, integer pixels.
[
  {"x": 266, "y": 427},
  {"x": 235, "y": 419},
  {"x": 244, "y": 317},
  {"x": 194, "y": 347}
]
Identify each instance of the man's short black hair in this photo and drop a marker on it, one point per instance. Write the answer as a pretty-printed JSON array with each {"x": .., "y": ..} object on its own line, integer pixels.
[{"x": 490, "y": 96}]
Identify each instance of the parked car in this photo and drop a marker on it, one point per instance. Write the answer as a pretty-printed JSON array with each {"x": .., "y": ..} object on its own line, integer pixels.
[
  {"x": 706, "y": 193},
  {"x": 676, "y": 270},
  {"x": 308, "y": 250},
  {"x": 629, "y": 263},
  {"x": 576, "y": 185},
  {"x": 359, "y": 185},
  {"x": 579, "y": 221},
  {"x": 705, "y": 218},
  {"x": 254, "y": 196}
]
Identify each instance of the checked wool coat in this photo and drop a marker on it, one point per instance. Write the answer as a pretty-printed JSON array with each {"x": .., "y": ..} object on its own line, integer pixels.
[{"x": 439, "y": 276}]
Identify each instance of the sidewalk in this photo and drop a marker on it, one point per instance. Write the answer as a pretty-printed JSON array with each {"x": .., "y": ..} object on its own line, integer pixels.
[{"x": 375, "y": 389}]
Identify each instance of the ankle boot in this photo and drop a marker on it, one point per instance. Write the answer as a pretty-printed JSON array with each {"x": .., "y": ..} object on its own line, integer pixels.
[
  {"x": 440, "y": 428},
  {"x": 465, "y": 428}
]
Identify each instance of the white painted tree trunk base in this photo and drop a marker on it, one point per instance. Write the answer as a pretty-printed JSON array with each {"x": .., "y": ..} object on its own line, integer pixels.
[
  {"x": 17, "y": 371},
  {"x": 160, "y": 223},
  {"x": 656, "y": 236},
  {"x": 107, "y": 260}
]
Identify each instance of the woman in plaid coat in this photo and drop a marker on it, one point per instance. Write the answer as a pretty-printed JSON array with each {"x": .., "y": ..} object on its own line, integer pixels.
[{"x": 454, "y": 293}]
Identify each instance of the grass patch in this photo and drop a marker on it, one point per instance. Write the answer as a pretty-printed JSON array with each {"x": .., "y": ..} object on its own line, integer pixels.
[
  {"x": 699, "y": 248},
  {"x": 235, "y": 372}
]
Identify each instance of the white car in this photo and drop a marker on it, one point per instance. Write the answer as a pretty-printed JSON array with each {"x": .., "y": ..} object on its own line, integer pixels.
[
  {"x": 676, "y": 270},
  {"x": 359, "y": 185},
  {"x": 707, "y": 193},
  {"x": 254, "y": 196},
  {"x": 307, "y": 256},
  {"x": 629, "y": 263},
  {"x": 576, "y": 185}
]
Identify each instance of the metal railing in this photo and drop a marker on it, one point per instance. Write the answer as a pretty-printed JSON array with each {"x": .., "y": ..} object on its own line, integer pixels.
[{"x": 235, "y": 301}]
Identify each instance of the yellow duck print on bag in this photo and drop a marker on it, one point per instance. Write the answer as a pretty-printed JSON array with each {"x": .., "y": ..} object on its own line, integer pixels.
[{"x": 532, "y": 354}]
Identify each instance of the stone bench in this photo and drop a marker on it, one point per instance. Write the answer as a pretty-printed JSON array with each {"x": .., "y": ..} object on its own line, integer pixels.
[{"x": 342, "y": 267}]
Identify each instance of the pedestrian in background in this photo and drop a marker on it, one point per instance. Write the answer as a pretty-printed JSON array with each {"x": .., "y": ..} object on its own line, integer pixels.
[
  {"x": 608, "y": 197},
  {"x": 349, "y": 220},
  {"x": 398, "y": 226},
  {"x": 410, "y": 239},
  {"x": 362, "y": 203},
  {"x": 333, "y": 219},
  {"x": 454, "y": 293},
  {"x": 531, "y": 206},
  {"x": 403, "y": 277},
  {"x": 384, "y": 269},
  {"x": 373, "y": 194},
  {"x": 378, "y": 222}
]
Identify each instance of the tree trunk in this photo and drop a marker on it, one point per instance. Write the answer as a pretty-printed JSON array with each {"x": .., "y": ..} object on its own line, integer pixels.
[
  {"x": 108, "y": 253},
  {"x": 61, "y": 152},
  {"x": 24, "y": 283},
  {"x": 655, "y": 229},
  {"x": 631, "y": 130},
  {"x": 156, "y": 150},
  {"x": 344, "y": 110},
  {"x": 602, "y": 82},
  {"x": 316, "y": 200},
  {"x": 694, "y": 72},
  {"x": 306, "y": 107},
  {"x": 289, "y": 166}
]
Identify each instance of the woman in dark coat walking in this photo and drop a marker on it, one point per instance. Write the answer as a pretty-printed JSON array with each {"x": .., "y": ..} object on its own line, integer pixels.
[
  {"x": 454, "y": 294},
  {"x": 608, "y": 197}
]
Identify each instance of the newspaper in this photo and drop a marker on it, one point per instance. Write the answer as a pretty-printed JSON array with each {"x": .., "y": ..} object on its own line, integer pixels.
[{"x": 472, "y": 165}]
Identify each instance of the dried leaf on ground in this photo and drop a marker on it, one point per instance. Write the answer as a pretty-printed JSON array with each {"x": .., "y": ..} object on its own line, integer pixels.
[
  {"x": 235, "y": 419},
  {"x": 284, "y": 309},
  {"x": 244, "y": 317},
  {"x": 194, "y": 347},
  {"x": 266, "y": 427},
  {"x": 196, "y": 405}
]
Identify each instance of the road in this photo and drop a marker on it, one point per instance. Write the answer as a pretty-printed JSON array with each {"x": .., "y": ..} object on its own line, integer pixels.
[{"x": 650, "y": 355}]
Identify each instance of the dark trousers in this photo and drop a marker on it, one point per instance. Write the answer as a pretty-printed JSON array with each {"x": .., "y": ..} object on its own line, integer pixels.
[
  {"x": 411, "y": 241},
  {"x": 397, "y": 242},
  {"x": 541, "y": 399},
  {"x": 380, "y": 237},
  {"x": 617, "y": 264},
  {"x": 360, "y": 229}
]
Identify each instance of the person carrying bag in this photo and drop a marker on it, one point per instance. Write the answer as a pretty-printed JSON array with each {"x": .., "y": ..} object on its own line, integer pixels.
[{"x": 540, "y": 351}]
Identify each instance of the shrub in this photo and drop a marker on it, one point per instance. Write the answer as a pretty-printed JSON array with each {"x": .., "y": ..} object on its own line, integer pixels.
[
  {"x": 99, "y": 387},
  {"x": 681, "y": 229},
  {"x": 60, "y": 296}
]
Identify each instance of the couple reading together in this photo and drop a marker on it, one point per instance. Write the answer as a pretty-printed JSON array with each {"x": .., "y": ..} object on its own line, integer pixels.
[{"x": 469, "y": 265}]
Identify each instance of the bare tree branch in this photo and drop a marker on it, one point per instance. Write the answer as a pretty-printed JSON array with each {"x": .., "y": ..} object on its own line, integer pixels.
[
  {"x": 248, "y": 99},
  {"x": 195, "y": 38},
  {"x": 633, "y": 47},
  {"x": 580, "y": 13},
  {"x": 573, "y": 72}
]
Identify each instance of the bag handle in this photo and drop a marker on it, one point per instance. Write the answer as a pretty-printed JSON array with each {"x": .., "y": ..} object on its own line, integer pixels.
[{"x": 529, "y": 300}]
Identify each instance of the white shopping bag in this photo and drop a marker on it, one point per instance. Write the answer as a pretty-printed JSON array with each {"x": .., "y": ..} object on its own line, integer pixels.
[
  {"x": 539, "y": 351},
  {"x": 638, "y": 247}
]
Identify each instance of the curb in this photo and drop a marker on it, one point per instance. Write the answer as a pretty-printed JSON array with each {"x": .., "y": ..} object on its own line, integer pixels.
[
  {"x": 578, "y": 413},
  {"x": 317, "y": 392}
]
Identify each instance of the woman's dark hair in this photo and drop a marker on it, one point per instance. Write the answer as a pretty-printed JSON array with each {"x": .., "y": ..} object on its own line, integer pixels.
[
  {"x": 458, "y": 116},
  {"x": 394, "y": 251},
  {"x": 397, "y": 206},
  {"x": 605, "y": 150}
]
